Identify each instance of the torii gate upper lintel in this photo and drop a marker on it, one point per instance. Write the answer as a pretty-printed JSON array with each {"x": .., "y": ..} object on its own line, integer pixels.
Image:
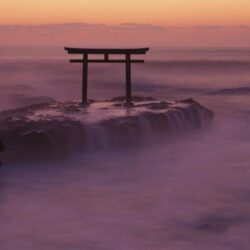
[{"x": 106, "y": 52}]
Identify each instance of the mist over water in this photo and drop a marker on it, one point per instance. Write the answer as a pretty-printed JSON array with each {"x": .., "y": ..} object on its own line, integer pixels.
[{"x": 188, "y": 192}]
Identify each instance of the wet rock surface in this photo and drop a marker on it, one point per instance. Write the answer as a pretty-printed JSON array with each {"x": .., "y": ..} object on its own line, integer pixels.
[{"x": 56, "y": 129}]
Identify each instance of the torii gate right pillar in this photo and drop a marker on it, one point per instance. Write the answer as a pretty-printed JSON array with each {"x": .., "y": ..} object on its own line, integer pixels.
[{"x": 128, "y": 81}]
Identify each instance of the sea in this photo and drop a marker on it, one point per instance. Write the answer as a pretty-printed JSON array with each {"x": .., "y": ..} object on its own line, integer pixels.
[{"x": 188, "y": 193}]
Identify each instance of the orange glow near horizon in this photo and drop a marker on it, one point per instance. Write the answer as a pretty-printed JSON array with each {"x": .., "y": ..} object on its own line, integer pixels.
[{"x": 158, "y": 12}]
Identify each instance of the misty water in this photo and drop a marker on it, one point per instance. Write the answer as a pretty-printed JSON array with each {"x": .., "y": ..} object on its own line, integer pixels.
[{"x": 187, "y": 192}]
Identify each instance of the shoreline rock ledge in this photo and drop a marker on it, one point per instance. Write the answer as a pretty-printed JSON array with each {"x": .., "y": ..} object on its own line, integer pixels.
[{"x": 56, "y": 129}]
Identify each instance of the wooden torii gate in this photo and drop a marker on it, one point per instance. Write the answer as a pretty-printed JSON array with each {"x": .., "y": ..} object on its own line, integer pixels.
[{"x": 106, "y": 52}]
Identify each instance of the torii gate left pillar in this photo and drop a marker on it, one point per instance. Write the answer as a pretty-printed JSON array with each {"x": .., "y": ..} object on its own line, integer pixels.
[
  {"x": 106, "y": 52},
  {"x": 85, "y": 79}
]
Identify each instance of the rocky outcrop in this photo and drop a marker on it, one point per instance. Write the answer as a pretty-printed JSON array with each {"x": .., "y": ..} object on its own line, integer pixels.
[{"x": 56, "y": 129}]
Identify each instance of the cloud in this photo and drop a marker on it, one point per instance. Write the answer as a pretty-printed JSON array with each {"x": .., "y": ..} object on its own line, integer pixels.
[
  {"x": 243, "y": 26},
  {"x": 140, "y": 26},
  {"x": 208, "y": 27},
  {"x": 64, "y": 27},
  {"x": 71, "y": 27}
]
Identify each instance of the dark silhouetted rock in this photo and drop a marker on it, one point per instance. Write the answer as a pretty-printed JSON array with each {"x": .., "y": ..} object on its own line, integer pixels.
[{"x": 2, "y": 147}]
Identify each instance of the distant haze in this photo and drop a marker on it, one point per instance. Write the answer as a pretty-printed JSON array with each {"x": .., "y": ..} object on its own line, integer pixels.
[
  {"x": 125, "y": 23},
  {"x": 126, "y": 35}
]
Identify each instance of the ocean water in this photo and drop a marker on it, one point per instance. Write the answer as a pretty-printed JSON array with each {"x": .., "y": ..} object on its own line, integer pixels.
[{"x": 190, "y": 192}]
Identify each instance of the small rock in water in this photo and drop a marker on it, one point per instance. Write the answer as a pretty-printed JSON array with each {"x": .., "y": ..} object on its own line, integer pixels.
[
  {"x": 217, "y": 223},
  {"x": 232, "y": 91},
  {"x": 213, "y": 226},
  {"x": 1, "y": 146}
]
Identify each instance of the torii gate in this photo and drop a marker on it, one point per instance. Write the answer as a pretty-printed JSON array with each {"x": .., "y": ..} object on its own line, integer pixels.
[{"x": 106, "y": 52}]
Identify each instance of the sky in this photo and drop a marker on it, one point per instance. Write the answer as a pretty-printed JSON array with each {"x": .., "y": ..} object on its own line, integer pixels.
[{"x": 125, "y": 22}]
